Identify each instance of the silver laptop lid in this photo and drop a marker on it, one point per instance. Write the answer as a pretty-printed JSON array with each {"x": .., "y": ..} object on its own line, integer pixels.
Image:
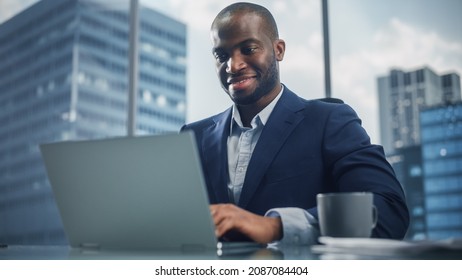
[{"x": 131, "y": 192}]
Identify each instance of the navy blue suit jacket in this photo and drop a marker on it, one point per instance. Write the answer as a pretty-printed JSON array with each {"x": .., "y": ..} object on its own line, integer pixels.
[{"x": 305, "y": 148}]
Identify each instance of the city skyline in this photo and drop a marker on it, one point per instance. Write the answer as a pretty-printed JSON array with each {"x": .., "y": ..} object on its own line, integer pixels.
[{"x": 368, "y": 38}]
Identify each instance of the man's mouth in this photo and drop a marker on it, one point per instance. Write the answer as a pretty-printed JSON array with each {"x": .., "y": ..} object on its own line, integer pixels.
[{"x": 240, "y": 83}]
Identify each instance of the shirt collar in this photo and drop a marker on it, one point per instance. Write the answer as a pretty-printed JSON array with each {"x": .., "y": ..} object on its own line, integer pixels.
[{"x": 263, "y": 116}]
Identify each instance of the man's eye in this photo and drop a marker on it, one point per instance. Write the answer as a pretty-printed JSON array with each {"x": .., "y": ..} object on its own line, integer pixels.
[
  {"x": 221, "y": 57},
  {"x": 249, "y": 50}
]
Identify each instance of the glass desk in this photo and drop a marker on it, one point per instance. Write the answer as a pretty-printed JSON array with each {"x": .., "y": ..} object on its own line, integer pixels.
[{"x": 19, "y": 252}]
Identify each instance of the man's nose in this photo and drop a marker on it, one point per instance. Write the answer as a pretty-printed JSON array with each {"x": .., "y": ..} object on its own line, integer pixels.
[{"x": 235, "y": 64}]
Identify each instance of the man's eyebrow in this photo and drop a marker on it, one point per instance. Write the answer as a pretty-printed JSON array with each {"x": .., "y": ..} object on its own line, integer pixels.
[
  {"x": 238, "y": 45},
  {"x": 249, "y": 41}
]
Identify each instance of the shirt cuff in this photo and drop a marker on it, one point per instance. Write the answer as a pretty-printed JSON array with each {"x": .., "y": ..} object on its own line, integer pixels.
[{"x": 299, "y": 226}]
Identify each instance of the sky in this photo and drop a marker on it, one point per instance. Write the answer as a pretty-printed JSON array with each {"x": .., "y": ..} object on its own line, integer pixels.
[{"x": 368, "y": 38}]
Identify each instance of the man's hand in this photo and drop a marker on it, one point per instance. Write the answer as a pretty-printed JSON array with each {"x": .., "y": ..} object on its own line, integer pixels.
[{"x": 229, "y": 218}]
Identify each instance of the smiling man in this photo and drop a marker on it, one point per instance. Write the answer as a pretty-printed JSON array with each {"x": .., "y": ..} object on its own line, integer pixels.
[{"x": 267, "y": 157}]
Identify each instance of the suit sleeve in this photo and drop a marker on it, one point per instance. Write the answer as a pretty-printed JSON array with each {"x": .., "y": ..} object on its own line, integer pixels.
[{"x": 353, "y": 164}]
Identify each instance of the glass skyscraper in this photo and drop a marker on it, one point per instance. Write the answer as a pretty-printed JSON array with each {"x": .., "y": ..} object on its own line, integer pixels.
[
  {"x": 402, "y": 94},
  {"x": 441, "y": 129},
  {"x": 63, "y": 76}
]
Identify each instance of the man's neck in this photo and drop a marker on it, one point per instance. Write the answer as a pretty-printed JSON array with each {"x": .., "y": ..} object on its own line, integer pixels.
[{"x": 248, "y": 112}]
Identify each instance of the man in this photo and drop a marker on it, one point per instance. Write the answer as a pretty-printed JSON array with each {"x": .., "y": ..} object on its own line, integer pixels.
[{"x": 267, "y": 157}]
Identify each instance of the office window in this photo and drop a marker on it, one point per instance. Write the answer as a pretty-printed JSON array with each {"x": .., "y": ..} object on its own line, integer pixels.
[
  {"x": 415, "y": 171},
  {"x": 420, "y": 76},
  {"x": 447, "y": 80},
  {"x": 407, "y": 78},
  {"x": 394, "y": 81}
]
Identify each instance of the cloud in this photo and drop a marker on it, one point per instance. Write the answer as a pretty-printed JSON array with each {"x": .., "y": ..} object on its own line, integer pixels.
[
  {"x": 198, "y": 14},
  {"x": 396, "y": 45},
  {"x": 416, "y": 47},
  {"x": 305, "y": 56},
  {"x": 302, "y": 68},
  {"x": 298, "y": 9}
]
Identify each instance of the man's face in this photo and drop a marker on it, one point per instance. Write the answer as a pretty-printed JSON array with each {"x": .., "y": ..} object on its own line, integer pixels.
[{"x": 245, "y": 58}]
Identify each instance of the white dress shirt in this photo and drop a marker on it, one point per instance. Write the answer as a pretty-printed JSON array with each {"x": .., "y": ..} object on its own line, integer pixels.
[{"x": 299, "y": 227}]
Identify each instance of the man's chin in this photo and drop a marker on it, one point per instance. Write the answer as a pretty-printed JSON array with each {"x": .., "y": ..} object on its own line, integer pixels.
[
  {"x": 242, "y": 98},
  {"x": 243, "y": 101}
]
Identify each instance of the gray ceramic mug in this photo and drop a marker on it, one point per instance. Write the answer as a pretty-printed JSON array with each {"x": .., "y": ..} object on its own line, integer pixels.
[{"x": 349, "y": 214}]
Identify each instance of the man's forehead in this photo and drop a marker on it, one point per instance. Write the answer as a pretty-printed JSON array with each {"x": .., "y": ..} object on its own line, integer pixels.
[{"x": 236, "y": 40}]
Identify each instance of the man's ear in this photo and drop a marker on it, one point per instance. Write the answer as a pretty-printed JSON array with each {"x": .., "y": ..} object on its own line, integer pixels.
[{"x": 279, "y": 49}]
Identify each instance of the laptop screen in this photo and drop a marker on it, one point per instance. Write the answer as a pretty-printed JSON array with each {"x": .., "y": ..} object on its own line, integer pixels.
[{"x": 131, "y": 192}]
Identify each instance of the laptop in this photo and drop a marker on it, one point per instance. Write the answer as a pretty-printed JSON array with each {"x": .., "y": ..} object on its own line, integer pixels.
[{"x": 132, "y": 193}]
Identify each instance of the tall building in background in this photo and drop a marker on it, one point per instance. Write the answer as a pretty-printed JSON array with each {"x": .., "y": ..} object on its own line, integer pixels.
[
  {"x": 64, "y": 75},
  {"x": 441, "y": 128},
  {"x": 401, "y": 97}
]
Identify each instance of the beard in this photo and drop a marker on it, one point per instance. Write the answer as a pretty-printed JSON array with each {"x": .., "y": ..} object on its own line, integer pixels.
[{"x": 266, "y": 83}]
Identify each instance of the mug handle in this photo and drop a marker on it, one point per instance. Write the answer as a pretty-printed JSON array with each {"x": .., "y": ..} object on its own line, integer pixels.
[{"x": 375, "y": 216}]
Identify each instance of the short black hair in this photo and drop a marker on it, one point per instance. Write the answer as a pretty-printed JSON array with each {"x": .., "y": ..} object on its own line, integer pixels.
[{"x": 261, "y": 11}]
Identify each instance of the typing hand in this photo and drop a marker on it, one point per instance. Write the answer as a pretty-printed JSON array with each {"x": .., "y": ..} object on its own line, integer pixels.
[{"x": 231, "y": 220}]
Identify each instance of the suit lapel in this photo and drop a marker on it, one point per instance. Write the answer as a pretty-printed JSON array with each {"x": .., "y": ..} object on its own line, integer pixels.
[
  {"x": 214, "y": 147},
  {"x": 280, "y": 125}
]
